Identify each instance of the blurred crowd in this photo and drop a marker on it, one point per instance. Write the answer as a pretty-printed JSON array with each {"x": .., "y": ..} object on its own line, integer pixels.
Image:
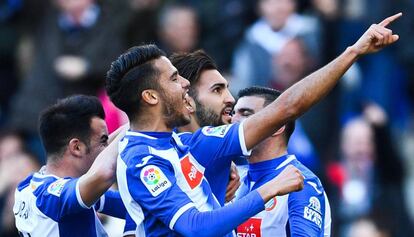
[{"x": 359, "y": 140}]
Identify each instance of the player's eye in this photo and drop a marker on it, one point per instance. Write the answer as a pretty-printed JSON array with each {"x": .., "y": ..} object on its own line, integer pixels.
[{"x": 104, "y": 140}]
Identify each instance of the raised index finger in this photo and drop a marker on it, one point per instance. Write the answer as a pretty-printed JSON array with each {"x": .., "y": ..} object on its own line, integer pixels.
[{"x": 390, "y": 19}]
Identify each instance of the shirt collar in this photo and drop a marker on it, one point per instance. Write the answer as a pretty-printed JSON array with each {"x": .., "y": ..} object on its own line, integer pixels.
[
  {"x": 256, "y": 170},
  {"x": 150, "y": 135}
]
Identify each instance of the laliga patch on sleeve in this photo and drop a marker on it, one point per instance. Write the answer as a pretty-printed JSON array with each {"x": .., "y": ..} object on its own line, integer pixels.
[
  {"x": 219, "y": 131},
  {"x": 154, "y": 180},
  {"x": 56, "y": 187}
]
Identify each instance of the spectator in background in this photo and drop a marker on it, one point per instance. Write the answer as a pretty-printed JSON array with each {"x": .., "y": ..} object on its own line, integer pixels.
[
  {"x": 278, "y": 24},
  {"x": 291, "y": 64},
  {"x": 141, "y": 20},
  {"x": 71, "y": 55},
  {"x": 178, "y": 29},
  {"x": 9, "y": 19},
  {"x": 368, "y": 180},
  {"x": 366, "y": 227},
  {"x": 15, "y": 165},
  {"x": 223, "y": 23}
]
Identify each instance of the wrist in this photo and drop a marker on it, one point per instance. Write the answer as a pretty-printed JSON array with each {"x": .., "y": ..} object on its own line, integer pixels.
[
  {"x": 268, "y": 191},
  {"x": 353, "y": 52}
]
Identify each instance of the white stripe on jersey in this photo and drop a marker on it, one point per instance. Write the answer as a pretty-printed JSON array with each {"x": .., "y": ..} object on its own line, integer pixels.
[
  {"x": 328, "y": 220},
  {"x": 179, "y": 213},
  {"x": 197, "y": 194}
]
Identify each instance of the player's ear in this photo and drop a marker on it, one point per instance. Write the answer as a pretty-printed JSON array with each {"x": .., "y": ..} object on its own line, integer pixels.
[
  {"x": 278, "y": 132},
  {"x": 76, "y": 147},
  {"x": 150, "y": 96}
]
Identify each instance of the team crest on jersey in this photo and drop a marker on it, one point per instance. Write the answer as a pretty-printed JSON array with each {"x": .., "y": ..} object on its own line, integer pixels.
[
  {"x": 219, "y": 131},
  {"x": 56, "y": 187},
  {"x": 192, "y": 175},
  {"x": 154, "y": 180},
  {"x": 312, "y": 211},
  {"x": 34, "y": 185},
  {"x": 250, "y": 228},
  {"x": 271, "y": 204}
]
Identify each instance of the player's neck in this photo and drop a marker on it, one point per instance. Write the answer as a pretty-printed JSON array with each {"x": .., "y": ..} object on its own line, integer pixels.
[
  {"x": 150, "y": 124},
  {"x": 191, "y": 127},
  {"x": 267, "y": 150},
  {"x": 60, "y": 168}
]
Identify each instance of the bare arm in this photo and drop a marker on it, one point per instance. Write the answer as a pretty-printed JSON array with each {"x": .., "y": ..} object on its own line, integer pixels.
[
  {"x": 297, "y": 99},
  {"x": 101, "y": 175},
  {"x": 115, "y": 133}
]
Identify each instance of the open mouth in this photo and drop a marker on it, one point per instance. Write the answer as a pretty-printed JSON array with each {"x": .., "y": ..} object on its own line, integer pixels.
[
  {"x": 187, "y": 103},
  {"x": 227, "y": 111}
]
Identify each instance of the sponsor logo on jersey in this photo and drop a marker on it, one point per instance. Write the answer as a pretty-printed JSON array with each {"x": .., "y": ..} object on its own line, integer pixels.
[
  {"x": 271, "y": 204},
  {"x": 250, "y": 228},
  {"x": 192, "y": 175},
  {"x": 219, "y": 131},
  {"x": 154, "y": 180},
  {"x": 56, "y": 187},
  {"x": 312, "y": 211}
]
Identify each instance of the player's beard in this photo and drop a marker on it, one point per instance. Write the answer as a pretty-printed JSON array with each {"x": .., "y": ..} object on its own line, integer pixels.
[
  {"x": 172, "y": 115},
  {"x": 206, "y": 116}
]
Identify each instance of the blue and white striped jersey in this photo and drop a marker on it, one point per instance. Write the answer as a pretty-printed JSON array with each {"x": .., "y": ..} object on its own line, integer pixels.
[
  {"x": 303, "y": 213},
  {"x": 163, "y": 180},
  {"x": 218, "y": 172},
  {"x": 47, "y": 205}
]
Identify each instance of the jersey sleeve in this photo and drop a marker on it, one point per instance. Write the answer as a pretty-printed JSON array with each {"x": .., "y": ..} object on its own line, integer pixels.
[
  {"x": 215, "y": 145},
  {"x": 111, "y": 204},
  {"x": 307, "y": 211},
  {"x": 60, "y": 198},
  {"x": 154, "y": 187},
  {"x": 222, "y": 221}
]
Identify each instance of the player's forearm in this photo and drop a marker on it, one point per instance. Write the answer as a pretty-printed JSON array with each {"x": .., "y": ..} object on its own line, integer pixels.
[
  {"x": 297, "y": 99},
  {"x": 101, "y": 175},
  {"x": 220, "y": 221}
]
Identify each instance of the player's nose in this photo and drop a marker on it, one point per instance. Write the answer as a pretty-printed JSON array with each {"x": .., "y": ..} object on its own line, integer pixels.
[
  {"x": 228, "y": 97},
  {"x": 185, "y": 83}
]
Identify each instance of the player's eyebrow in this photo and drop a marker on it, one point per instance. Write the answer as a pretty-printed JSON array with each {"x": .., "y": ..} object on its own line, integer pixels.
[
  {"x": 174, "y": 74},
  {"x": 221, "y": 85}
]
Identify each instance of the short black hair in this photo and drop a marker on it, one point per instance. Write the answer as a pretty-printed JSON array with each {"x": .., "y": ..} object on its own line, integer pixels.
[
  {"x": 191, "y": 65},
  {"x": 68, "y": 118},
  {"x": 269, "y": 95},
  {"x": 131, "y": 74}
]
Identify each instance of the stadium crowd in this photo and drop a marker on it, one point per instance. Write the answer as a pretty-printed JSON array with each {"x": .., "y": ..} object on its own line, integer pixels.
[{"x": 359, "y": 140}]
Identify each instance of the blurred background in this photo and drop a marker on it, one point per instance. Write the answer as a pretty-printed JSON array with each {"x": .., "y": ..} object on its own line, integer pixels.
[{"x": 359, "y": 140}]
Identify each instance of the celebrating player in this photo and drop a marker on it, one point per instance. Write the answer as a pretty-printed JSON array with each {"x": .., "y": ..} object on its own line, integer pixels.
[
  {"x": 307, "y": 212},
  {"x": 162, "y": 179},
  {"x": 63, "y": 197}
]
